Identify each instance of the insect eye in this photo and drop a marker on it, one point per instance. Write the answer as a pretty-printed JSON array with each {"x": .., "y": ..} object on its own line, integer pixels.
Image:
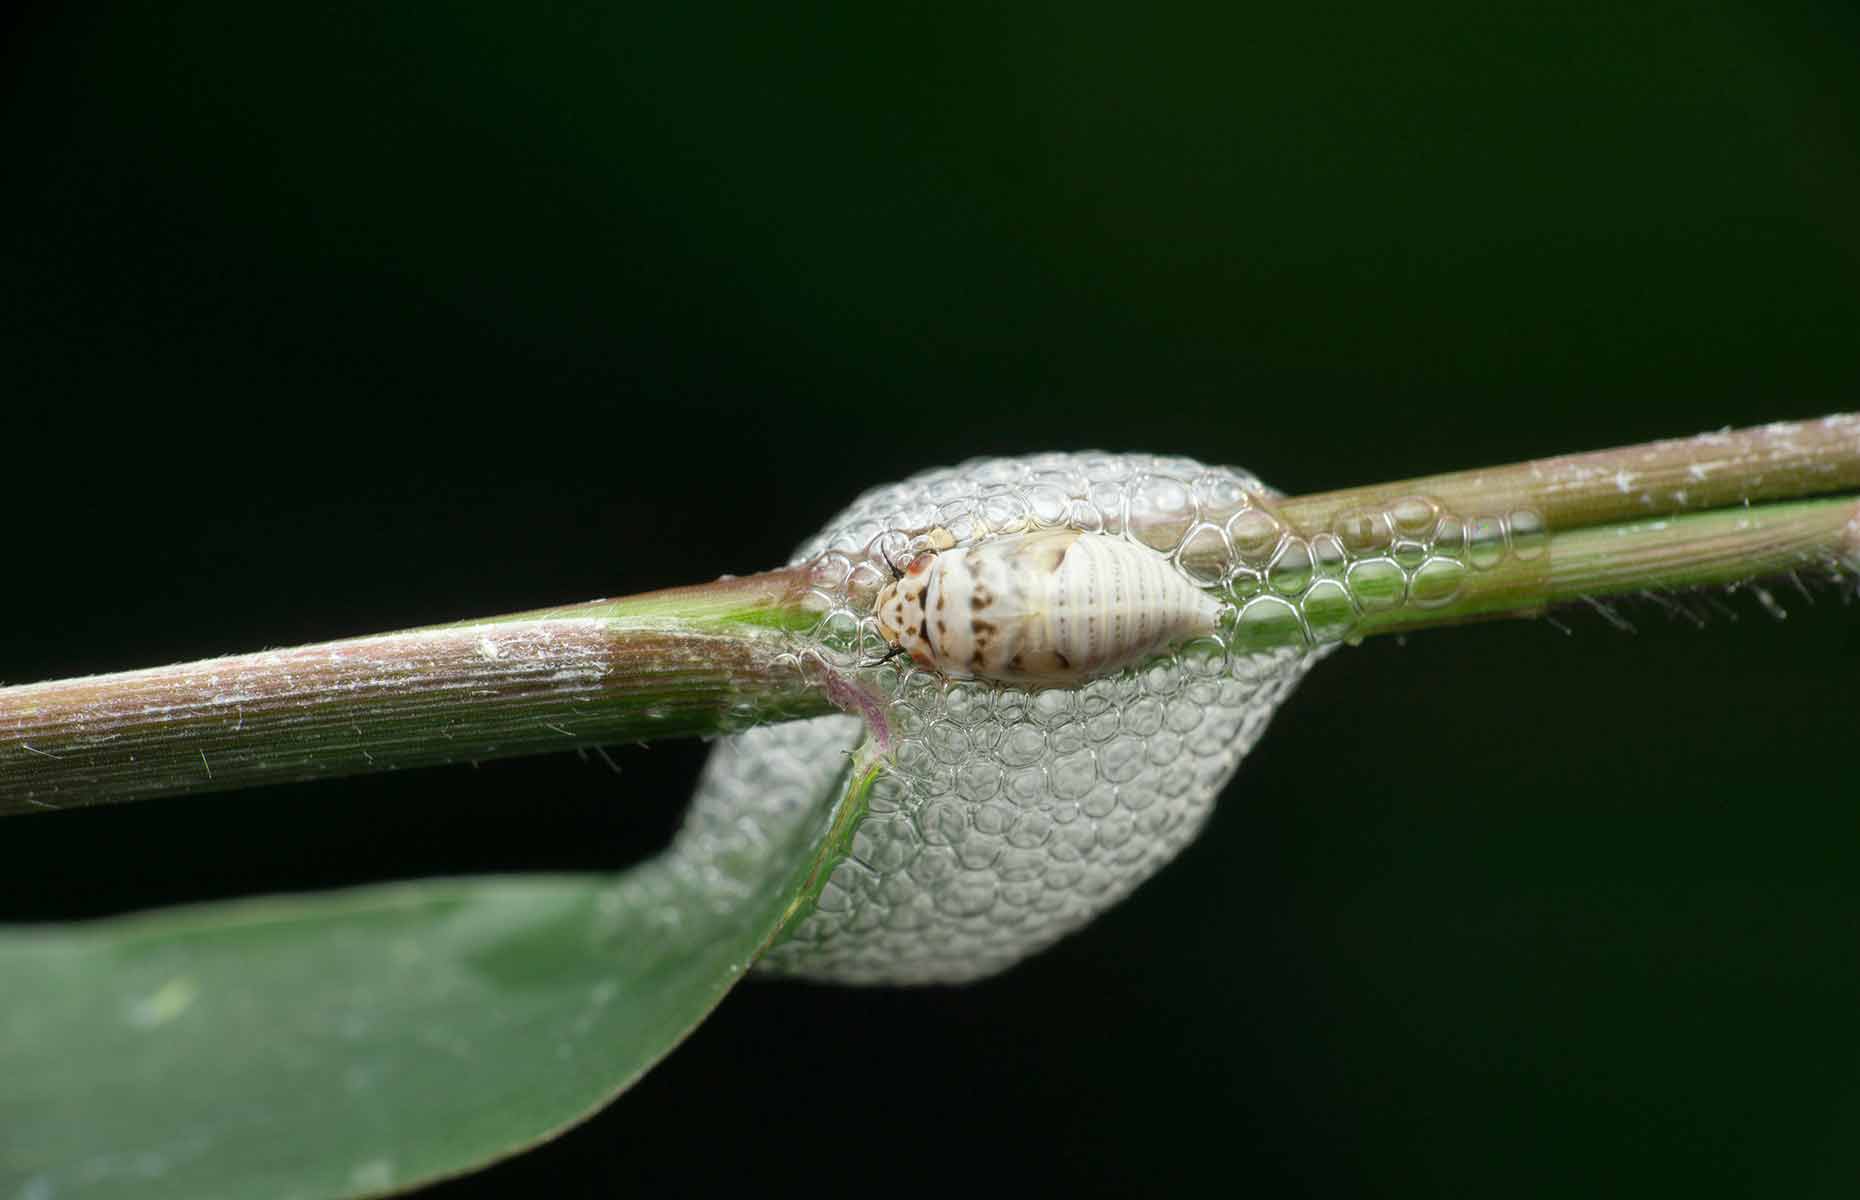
[{"x": 920, "y": 566}]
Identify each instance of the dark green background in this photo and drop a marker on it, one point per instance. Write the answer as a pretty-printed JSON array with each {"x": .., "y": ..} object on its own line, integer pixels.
[{"x": 333, "y": 321}]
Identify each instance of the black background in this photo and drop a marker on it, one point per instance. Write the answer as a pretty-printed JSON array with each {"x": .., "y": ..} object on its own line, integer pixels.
[{"x": 325, "y": 322}]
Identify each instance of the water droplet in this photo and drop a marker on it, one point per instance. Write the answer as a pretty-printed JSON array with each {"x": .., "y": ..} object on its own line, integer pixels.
[
  {"x": 1121, "y": 760},
  {"x": 1485, "y": 542},
  {"x": 830, "y": 573},
  {"x": 906, "y": 918},
  {"x": 1106, "y": 501},
  {"x": 949, "y": 742},
  {"x": 1290, "y": 572},
  {"x": 1204, "y": 555},
  {"x": 1327, "y": 554},
  {"x": 834, "y": 898},
  {"x": 1363, "y": 532},
  {"x": 1410, "y": 554},
  {"x": 1115, "y": 830},
  {"x": 1183, "y": 715},
  {"x": 1013, "y": 707},
  {"x": 1027, "y": 788},
  {"x": 967, "y": 703},
  {"x": 1066, "y": 739},
  {"x": 1205, "y": 657},
  {"x": 1328, "y": 611},
  {"x": 1268, "y": 621},
  {"x": 1529, "y": 535},
  {"x": 1144, "y": 716},
  {"x": 907, "y": 722},
  {"x": 994, "y": 472},
  {"x": 839, "y": 633},
  {"x": 1414, "y": 515},
  {"x": 1244, "y": 585},
  {"x": 1220, "y": 494},
  {"x": 1100, "y": 804},
  {"x": 1162, "y": 678},
  {"x": 992, "y": 820},
  {"x": 943, "y": 823},
  {"x": 935, "y": 865},
  {"x": 978, "y": 780},
  {"x": 1437, "y": 583},
  {"x": 883, "y": 546},
  {"x": 1450, "y": 536},
  {"x": 1254, "y": 534},
  {"x": 1161, "y": 510},
  {"x": 1072, "y": 776},
  {"x": 1048, "y": 504},
  {"x": 1377, "y": 584},
  {"x": 977, "y": 853},
  {"x": 887, "y": 793},
  {"x": 1095, "y": 699},
  {"x": 1030, "y": 830},
  {"x": 1002, "y": 513},
  {"x": 1024, "y": 746},
  {"x": 1053, "y": 707},
  {"x": 967, "y": 895},
  {"x": 1084, "y": 515}
]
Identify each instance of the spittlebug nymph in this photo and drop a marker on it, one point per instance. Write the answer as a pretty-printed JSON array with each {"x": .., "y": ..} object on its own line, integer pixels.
[{"x": 1054, "y": 607}]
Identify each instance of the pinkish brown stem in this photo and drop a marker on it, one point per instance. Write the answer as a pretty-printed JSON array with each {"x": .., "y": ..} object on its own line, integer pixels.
[
  {"x": 1782, "y": 461},
  {"x": 680, "y": 662}
]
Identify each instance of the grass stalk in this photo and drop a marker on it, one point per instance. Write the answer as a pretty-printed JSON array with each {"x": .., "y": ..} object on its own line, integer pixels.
[{"x": 1688, "y": 513}]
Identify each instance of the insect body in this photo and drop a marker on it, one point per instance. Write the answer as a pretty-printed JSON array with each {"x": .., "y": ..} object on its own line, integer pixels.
[{"x": 1052, "y": 607}]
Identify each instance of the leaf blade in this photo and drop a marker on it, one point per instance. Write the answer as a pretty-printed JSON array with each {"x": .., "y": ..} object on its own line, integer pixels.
[{"x": 361, "y": 1042}]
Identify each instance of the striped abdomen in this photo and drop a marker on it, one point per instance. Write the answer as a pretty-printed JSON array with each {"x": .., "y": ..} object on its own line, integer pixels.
[{"x": 1058, "y": 606}]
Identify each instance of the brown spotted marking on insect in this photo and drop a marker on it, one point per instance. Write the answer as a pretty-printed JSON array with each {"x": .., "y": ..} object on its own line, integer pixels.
[{"x": 1053, "y": 607}]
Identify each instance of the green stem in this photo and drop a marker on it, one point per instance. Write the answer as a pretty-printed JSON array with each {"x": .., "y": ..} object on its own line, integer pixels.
[{"x": 1698, "y": 550}]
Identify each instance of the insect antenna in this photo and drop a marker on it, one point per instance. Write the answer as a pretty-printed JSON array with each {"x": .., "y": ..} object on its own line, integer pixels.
[
  {"x": 879, "y": 662},
  {"x": 882, "y": 545}
]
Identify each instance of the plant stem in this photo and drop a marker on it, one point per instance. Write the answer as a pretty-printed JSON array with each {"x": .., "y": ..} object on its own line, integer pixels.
[
  {"x": 672, "y": 663},
  {"x": 1698, "y": 550},
  {"x": 721, "y": 656},
  {"x": 1786, "y": 460}
]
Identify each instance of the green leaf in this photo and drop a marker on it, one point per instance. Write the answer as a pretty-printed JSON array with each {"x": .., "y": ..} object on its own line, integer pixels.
[{"x": 356, "y": 1043}]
